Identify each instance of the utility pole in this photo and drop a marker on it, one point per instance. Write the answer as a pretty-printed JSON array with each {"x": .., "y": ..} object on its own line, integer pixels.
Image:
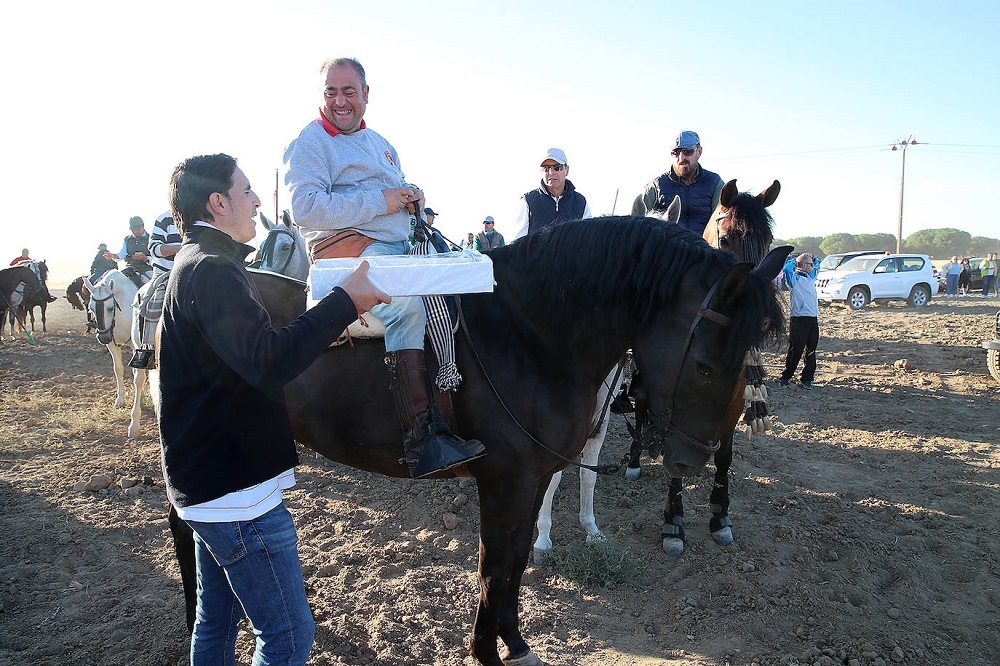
[{"x": 901, "y": 145}]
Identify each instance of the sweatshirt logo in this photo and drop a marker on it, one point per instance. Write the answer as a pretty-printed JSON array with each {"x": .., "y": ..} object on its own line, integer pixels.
[{"x": 389, "y": 157}]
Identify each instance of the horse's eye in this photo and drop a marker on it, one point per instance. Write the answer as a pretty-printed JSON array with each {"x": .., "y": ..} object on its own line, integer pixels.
[
  {"x": 704, "y": 370},
  {"x": 723, "y": 241}
]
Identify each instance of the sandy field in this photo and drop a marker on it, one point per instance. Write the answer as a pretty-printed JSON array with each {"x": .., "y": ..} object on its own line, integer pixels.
[{"x": 864, "y": 525}]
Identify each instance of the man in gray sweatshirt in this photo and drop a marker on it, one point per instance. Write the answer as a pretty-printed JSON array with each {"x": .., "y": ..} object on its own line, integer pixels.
[{"x": 350, "y": 198}]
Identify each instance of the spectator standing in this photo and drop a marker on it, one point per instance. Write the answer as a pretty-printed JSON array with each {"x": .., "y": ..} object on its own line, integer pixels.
[
  {"x": 952, "y": 270},
  {"x": 227, "y": 449},
  {"x": 803, "y": 329},
  {"x": 965, "y": 277},
  {"x": 988, "y": 269},
  {"x": 489, "y": 238},
  {"x": 699, "y": 188},
  {"x": 555, "y": 200},
  {"x": 469, "y": 242}
]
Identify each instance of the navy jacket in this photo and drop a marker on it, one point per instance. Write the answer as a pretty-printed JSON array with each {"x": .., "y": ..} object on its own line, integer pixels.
[
  {"x": 223, "y": 421},
  {"x": 696, "y": 198},
  {"x": 543, "y": 209}
]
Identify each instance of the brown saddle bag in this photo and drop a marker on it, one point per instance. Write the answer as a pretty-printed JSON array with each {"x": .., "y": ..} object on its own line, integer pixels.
[{"x": 345, "y": 244}]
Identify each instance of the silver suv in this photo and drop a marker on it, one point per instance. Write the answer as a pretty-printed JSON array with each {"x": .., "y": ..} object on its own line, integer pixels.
[{"x": 879, "y": 277}]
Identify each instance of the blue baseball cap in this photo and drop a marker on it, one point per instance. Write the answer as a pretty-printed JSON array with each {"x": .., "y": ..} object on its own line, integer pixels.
[{"x": 687, "y": 139}]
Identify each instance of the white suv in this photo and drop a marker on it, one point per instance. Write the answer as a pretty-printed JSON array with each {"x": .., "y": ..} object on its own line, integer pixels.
[{"x": 877, "y": 277}]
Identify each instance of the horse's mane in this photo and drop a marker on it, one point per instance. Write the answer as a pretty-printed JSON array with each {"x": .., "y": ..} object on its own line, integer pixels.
[
  {"x": 750, "y": 221},
  {"x": 607, "y": 271}
]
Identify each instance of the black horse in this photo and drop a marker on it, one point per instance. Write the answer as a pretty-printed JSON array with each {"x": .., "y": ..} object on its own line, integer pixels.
[
  {"x": 79, "y": 297},
  {"x": 36, "y": 298},
  {"x": 568, "y": 303},
  {"x": 10, "y": 280},
  {"x": 740, "y": 225}
]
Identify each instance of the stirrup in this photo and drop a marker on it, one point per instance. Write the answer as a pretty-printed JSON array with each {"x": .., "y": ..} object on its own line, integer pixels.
[
  {"x": 441, "y": 451},
  {"x": 142, "y": 359}
]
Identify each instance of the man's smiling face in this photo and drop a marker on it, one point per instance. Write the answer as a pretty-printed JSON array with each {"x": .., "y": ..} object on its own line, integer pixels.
[{"x": 345, "y": 98}]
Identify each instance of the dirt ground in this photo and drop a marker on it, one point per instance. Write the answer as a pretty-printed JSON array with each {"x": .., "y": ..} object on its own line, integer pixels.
[{"x": 864, "y": 525}]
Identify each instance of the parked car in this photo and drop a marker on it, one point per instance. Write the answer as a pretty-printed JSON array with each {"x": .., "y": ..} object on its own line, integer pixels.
[
  {"x": 879, "y": 277},
  {"x": 832, "y": 262},
  {"x": 977, "y": 276},
  {"x": 992, "y": 348}
]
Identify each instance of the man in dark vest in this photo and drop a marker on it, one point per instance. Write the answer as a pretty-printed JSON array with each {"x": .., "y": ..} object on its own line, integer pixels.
[
  {"x": 556, "y": 199},
  {"x": 135, "y": 252},
  {"x": 699, "y": 188}
]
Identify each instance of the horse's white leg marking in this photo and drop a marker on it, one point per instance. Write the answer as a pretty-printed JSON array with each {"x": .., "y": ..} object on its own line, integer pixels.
[
  {"x": 116, "y": 358},
  {"x": 138, "y": 380},
  {"x": 543, "y": 544},
  {"x": 588, "y": 481}
]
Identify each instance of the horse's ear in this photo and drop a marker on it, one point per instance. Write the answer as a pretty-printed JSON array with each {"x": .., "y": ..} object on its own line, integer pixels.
[
  {"x": 733, "y": 284},
  {"x": 266, "y": 223},
  {"x": 729, "y": 194},
  {"x": 768, "y": 196},
  {"x": 286, "y": 218},
  {"x": 673, "y": 213},
  {"x": 771, "y": 265}
]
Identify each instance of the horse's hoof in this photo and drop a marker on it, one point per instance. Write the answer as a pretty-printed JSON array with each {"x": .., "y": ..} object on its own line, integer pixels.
[
  {"x": 633, "y": 474},
  {"x": 542, "y": 558},
  {"x": 529, "y": 658},
  {"x": 673, "y": 546},
  {"x": 723, "y": 537}
]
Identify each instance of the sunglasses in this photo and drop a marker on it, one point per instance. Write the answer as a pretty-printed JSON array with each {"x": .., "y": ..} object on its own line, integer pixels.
[
  {"x": 553, "y": 167},
  {"x": 688, "y": 152}
]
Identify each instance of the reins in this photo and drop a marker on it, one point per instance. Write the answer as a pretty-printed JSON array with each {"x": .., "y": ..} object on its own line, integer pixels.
[{"x": 662, "y": 423}]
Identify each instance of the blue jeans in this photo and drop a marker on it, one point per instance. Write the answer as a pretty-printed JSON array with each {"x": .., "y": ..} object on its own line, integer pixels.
[
  {"x": 250, "y": 569},
  {"x": 405, "y": 319},
  {"x": 952, "y": 284}
]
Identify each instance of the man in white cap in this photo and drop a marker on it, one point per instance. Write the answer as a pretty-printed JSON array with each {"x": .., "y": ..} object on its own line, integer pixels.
[
  {"x": 698, "y": 188},
  {"x": 489, "y": 238},
  {"x": 555, "y": 200}
]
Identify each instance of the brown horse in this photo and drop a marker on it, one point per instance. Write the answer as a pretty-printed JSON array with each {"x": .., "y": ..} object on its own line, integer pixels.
[
  {"x": 568, "y": 303},
  {"x": 740, "y": 225}
]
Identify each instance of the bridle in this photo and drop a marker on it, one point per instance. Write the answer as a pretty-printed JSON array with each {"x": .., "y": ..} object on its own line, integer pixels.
[
  {"x": 266, "y": 252},
  {"x": 660, "y": 424},
  {"x": 105, "y": 334}
]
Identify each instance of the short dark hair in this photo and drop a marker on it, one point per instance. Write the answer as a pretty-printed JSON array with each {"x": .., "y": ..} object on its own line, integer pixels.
[
  {"x": 345, "y": 62},
  {"x": 193, "y": 181}
]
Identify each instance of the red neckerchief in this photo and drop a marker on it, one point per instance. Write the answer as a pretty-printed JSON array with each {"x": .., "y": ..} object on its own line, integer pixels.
[{"x": 330, "y": 129}]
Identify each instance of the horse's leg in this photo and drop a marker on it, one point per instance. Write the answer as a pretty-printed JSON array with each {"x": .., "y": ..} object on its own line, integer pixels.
[
  {"x": 634, "y": 471},
  {"x": 673, "y": 519},
  {"x": 44, "y": 306},
  {"x": 543, "y": 544},
  {"x": 507, "y": 506},
  {"x": 116, "y": 358},
  {"x": 138, "y": 382},
  {"x": 720, "y": 525},
  {"x": 184, "y": 549},
  {"x": 588, "y": 481}
]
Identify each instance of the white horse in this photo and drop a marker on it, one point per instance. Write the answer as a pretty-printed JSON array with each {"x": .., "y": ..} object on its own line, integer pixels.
[
  {"x": 283, "y": 251},
  {"x": 591, "y": 450},
  {"x": 111, "y": 303}
]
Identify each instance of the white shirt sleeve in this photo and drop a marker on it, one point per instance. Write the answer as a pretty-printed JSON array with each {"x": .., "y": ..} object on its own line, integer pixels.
[
  {"x": 586, "y": 212},
  {"x": 521, "y": 226}
]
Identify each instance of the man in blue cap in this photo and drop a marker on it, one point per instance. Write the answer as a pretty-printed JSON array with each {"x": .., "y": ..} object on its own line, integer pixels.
[{"x": 699, "y": 188}]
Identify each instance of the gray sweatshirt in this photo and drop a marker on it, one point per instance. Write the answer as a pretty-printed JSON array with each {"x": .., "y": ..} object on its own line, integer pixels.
[{"x": 336, "y": 184}]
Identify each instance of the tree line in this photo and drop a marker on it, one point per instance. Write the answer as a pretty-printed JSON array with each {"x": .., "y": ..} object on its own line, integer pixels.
[{"x": 938, "y": 243}]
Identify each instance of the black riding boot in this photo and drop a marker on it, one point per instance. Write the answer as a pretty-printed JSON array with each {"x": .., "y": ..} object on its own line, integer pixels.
[{"x": 428, "y": 444}]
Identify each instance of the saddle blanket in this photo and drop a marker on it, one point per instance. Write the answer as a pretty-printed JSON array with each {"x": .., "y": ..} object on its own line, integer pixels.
[{"x": 464, "y": 272}]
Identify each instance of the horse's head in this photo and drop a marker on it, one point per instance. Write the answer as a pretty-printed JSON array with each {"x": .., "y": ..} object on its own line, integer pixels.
[
  {"x": 691, "y": 356},
  {"x": 741, "y": 223},
  {"x": 284, "y": 249},
  {"x": 105, "y": 304}
]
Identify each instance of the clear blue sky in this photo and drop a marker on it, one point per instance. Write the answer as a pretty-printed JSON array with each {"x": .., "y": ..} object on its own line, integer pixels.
[{"x": 103, "y": 99}]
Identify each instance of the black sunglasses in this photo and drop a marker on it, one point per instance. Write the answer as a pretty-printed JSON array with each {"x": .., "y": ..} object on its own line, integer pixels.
[
  {"x": 553, "y": 167},
  {"x": 688, "y": 152}
]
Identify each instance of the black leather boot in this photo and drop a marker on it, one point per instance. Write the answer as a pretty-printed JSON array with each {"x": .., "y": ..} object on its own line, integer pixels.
[{"x": 429, "y": 445}]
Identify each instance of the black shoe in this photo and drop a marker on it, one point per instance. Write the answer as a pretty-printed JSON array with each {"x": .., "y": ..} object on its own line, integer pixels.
[
  {"x": 806, "y": 385},
  {"x": 52, "y": 299},
  {"x": 783, "y": 382},
  {"x": 442, "y": 451},
  {"x": 142, "y": 359}
]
